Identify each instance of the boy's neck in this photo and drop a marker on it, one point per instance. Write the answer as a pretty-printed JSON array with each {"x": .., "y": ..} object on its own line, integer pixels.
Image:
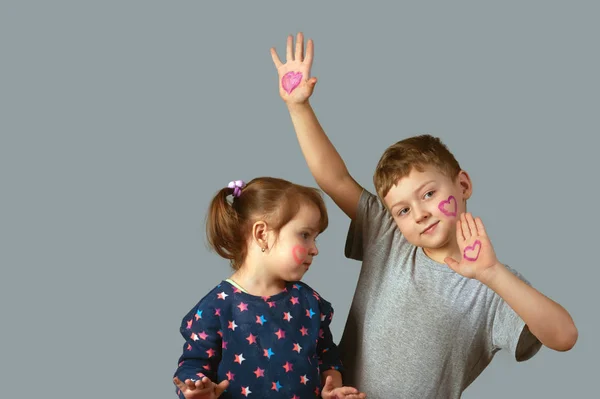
[{"x": 439, "y": 254}]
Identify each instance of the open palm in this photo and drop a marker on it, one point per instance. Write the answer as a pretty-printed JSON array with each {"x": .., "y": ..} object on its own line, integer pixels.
[
  {"x": 295, "y": 83},
  {"x": 478, "y": 255}
]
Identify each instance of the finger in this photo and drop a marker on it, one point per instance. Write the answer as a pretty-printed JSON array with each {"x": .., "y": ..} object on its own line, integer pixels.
[
  {"x": 275, "y": 58},
  {"x": 355, "y": 396},
  {"x": 222, "y": 386},
  {"x": 465, "y": 226},
  {"x": 312, "y": 82},
  {"x": 190, "y": 384},
  {"x": 328, "y": 383},
  {"x": 460, "y": 237},
  {"x": 471, "y": 223},
  {"x": 299, "y": 47},
  {"x": 480, "y": 227},
  {"x": 179, "y": 384},
  {"x": 308, "y": 57},
  {"x": 288, "y": 51},
  {"x": 346, "y": 391},
  {"x": 452, "y": 264}
]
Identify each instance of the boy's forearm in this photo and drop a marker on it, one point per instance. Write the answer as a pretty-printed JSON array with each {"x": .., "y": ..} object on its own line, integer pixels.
[
  {"x": 546, "y": 319},
  {"x": 324, "y": 162}
]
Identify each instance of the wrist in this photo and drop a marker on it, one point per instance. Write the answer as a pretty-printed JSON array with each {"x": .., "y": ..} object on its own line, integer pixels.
[
  {"x": 297, "y": 106},
  {"x": 491, "y": 275}
]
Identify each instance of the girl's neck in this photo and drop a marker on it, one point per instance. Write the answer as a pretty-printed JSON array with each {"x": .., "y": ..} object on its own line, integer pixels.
[{"x": 257, "y": 284}]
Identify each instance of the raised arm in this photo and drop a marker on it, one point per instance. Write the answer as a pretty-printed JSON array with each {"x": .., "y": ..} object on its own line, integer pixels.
[{"x": 324, "y": 162}]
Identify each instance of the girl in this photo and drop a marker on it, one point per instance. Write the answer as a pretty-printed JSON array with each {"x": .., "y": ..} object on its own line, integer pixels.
[{"x": 262, "y": 333}]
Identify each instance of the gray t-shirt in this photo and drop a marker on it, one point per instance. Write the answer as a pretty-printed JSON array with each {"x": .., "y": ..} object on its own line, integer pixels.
[{"x": 417, "y": 329}]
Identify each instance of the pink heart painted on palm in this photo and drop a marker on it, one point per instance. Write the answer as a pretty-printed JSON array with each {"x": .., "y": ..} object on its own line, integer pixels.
[
  {"x": 449, "y": 206},
  {"x": 472, "y": 252},
  {"x": 299, "y": 254},
  {"x": 291, "y": 80}
]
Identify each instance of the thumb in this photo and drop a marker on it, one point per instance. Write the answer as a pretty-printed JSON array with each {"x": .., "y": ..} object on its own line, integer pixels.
[
  {"x": 312, "y": 82},
  {"x": 222, "y": 386},
  {"x": 453, "y": 264},
  {"x": 328, "y": 384}
]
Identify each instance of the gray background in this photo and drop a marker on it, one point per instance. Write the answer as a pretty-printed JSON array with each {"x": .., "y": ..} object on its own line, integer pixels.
[{"x": 119, "y": 121}]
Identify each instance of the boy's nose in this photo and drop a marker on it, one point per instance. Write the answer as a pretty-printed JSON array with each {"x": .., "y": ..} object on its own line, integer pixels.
[{"x": 421, "y": 215}]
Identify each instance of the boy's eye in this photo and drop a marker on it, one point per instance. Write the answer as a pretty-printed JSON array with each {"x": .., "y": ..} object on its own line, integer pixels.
[
  {"x": 429, "y": 194},
  {"x": 402, "y": 211},
  {"x": 305, "y": 235}
]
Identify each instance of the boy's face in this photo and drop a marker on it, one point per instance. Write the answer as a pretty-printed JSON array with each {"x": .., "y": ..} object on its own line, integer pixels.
[{"x": 426, "y": 206}]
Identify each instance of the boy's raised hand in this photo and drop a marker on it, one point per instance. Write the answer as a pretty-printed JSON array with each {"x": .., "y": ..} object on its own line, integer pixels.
[
  {"x": 478, "y": 256},
  {"x": 295, "y": 83},
  {"x": 201, "y": 389}
]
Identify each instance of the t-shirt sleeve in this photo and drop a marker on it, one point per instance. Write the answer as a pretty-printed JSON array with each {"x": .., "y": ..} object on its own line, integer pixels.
[
  {"x": 201, "y": 353},
  {"x": 510, "y": 332},
  {"x": 327, "y": 350},
  {"x": 371, "y": 223}
]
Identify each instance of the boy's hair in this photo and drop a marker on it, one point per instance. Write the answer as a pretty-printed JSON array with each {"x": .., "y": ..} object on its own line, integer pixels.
[
  {"x": 415, "y": 152},
  {"x": 274, "y": 200}
]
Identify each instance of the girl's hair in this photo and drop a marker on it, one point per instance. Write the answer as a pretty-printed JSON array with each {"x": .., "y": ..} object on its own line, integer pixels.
[{"x": 274, "y": 200}]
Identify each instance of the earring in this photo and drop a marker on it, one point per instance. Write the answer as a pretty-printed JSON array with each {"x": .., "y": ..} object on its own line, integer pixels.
[{"x": 263, "y": 249}]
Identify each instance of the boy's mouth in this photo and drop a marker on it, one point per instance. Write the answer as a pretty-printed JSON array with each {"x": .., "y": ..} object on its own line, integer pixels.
[{"x": 430, "y": 228}]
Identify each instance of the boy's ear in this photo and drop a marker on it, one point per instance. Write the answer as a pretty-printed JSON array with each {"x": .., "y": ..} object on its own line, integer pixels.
[
  {"x": 466, "y": 186},
  {"x": 260, "y": 234}
]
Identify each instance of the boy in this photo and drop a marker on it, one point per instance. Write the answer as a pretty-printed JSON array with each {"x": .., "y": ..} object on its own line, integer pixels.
[{"x": 433, "y": 304}]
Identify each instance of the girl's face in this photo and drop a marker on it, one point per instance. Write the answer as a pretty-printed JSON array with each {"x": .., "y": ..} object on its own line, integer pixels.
[{"x": 292, "y": 252}]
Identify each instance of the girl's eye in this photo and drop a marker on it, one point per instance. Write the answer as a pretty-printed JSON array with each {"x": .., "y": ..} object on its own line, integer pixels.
[
  {"x": 429, "y": 194},
  {"x": 305, "y": 235},
  {"x": 402, "y": 211}
]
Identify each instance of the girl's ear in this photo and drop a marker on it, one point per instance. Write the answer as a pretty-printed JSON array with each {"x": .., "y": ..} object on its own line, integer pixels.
[{"x": 260, "y": 234}]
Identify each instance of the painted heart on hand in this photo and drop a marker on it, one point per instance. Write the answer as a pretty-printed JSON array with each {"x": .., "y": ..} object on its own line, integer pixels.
[
  {"x": 449, "y": 206},
  {"x": 472, "y": 252},
  {"x": 291, "y": 80}
]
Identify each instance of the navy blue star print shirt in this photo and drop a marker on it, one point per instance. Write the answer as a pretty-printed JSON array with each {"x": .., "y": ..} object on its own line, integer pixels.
[{"x": 267, "y": 347}]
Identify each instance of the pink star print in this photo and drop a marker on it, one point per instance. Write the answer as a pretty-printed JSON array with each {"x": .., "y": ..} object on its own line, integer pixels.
[
  {"x": 288, "y": 367},
  {"x": 239, "y": 358},
  {"x": 297, "y": 348},
  {"x": 251, "y": 339},
  {"x": 243, "y": 306},
  {"x": 259, "y": 372},
  {"x": 222, "y": 295},
  {"x": 280, "y": 334}
]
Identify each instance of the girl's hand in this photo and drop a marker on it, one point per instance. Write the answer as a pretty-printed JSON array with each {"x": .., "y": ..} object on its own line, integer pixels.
[
  {"x": 201, "y": 389},
  {"x": 330, "y": 392},
  {"x": 295, "y": 83}
]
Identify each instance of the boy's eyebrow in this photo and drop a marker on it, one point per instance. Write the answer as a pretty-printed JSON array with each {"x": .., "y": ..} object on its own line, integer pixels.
[{"x": 416, "y": 191}]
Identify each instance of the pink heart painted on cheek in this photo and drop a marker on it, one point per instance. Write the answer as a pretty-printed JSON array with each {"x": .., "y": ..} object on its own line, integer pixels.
[
  {"x": 291, "y": 80},
  {"x": 449, "y": 206},
  {"x": 472, "y": 252},
  {"x": 299, "y": 254}
]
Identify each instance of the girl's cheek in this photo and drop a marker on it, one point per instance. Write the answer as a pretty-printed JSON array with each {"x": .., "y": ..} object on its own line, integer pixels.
[{"x": 299, "y": 254}]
